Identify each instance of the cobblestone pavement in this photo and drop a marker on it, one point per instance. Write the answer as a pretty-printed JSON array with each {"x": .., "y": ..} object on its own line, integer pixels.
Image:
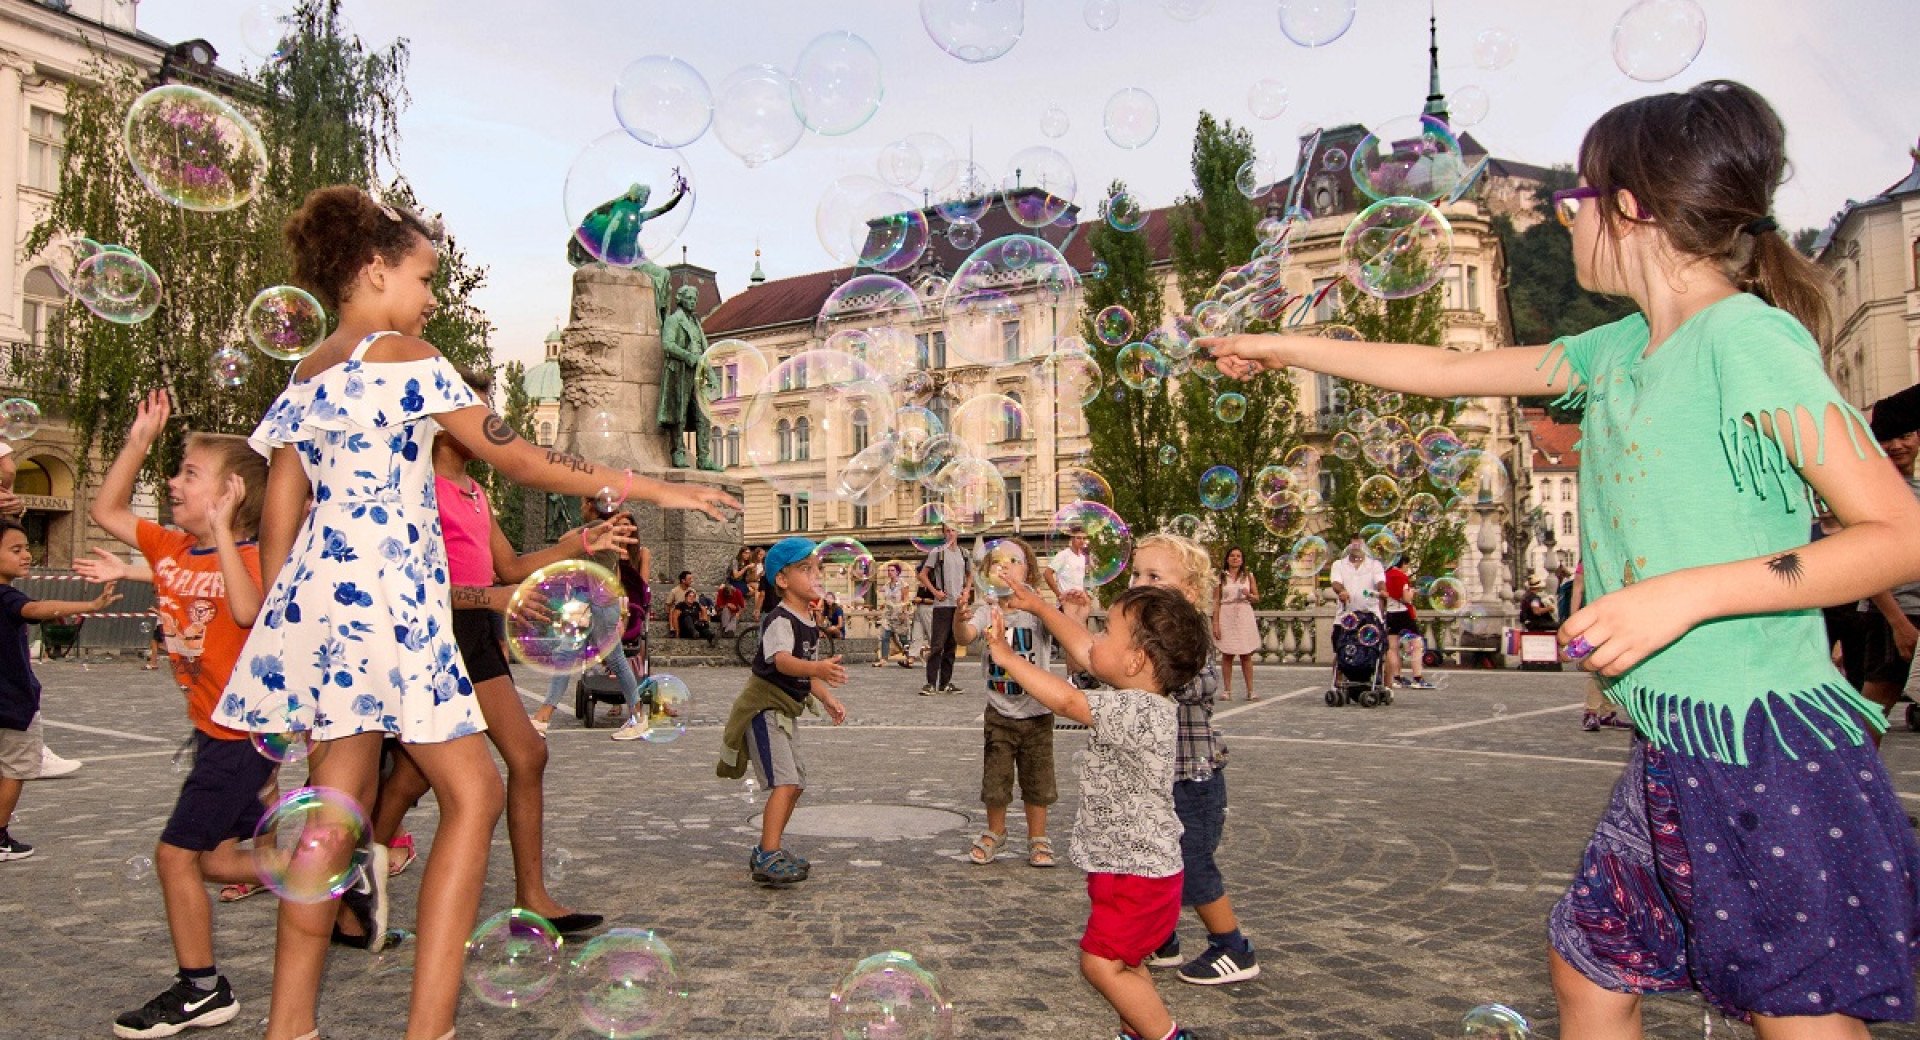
[{"x": 1393, "y": 866}]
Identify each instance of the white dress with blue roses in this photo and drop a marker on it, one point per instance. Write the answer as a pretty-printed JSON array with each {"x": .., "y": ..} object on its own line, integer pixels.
[{"x": 356, "y": 634}]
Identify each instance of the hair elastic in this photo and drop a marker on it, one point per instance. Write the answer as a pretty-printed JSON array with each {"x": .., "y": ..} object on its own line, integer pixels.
[{"x": 1761, "y": 226}]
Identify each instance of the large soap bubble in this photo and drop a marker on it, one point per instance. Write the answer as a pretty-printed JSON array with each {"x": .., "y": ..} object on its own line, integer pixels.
[
  {"x": 1109, "y": 539},
  {"x": 733, "y": 377},
  {"x": 973, "y": 494},
  {"x": 754, "y": 116},
  {"x": 1414, "y": 157},
  {"x": 268, "y": 31},
  {"x": 285, "y": 322},
  {"x": 1397, "y": 247},
  {"x": 863, "y": 222},
  {"x": 117, "y": 286},
  {"x": 663, "y": 101},
  {"x": 836, "y": 84},
  {"x": 974, "y": 30},
  {"x": 566, "y": 616},
  {"x": 812, "y": 450},
  {"x": 626, "y": 985},
  {"x": 513, "y": 959},
  {"x": 1658, "y": 39},
  {"x": 627, "y": 202},
  {"x": 1494, "y": 1021},
  {"x": 983, "y": 296},
  {"x": 889, "y": 995},
  {"x": 1219, "y": 487},
  {"x": 1039, "y": 186},
  {"x": 1267, "y": 99},
  {"x": 1316, "y": 23},
  {"x": 194, "y": 150},
  {"x": 967, "y": 195},
  {"x": 1131, "y": 118},
  {"x": 304, "y": 847},
  {"x": 985, "y": 421},
  {"x": 63, "y": 256},
  {"x": 1494, "y": 49}
]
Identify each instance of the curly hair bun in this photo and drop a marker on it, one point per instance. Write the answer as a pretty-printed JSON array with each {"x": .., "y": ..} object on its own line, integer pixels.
[{"x": 338, "y": 231}]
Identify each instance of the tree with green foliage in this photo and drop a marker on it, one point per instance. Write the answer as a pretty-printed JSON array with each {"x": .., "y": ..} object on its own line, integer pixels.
[
  {"x": 1543, "y": 293},
  {"x": 510, "y": 499},
  {"x": 327, "y": 114}
]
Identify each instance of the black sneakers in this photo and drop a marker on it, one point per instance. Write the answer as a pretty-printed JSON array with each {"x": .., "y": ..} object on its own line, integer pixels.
[
  {"x": 1219, "y": 965},
  {"x": 1168, "y": 954},
  {"x": 13, "y": 848},
  {"x": 183, "y": 1006}
]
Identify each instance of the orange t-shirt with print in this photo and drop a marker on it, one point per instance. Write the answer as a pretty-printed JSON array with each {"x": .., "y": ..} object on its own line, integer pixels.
[{"x": 190, "y": 595}]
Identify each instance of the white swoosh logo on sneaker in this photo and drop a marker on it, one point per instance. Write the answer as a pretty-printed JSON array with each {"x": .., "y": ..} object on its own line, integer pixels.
[{"x": 202, "y": 1002}]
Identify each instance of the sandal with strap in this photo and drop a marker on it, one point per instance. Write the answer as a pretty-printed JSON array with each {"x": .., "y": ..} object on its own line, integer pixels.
[
  {"x": 986, "y": 847},
  {"x": 240, "y": 890},
  {"x": 1040, "y": 852}
]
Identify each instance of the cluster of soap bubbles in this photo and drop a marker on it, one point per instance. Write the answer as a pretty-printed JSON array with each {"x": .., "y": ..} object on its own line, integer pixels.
[
  {"x": 111, "y": 281},
  {"x": 624, "y": 984}
]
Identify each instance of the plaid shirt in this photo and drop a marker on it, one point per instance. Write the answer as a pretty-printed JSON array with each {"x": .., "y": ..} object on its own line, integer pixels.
[{"x": 1200, "y": 750}]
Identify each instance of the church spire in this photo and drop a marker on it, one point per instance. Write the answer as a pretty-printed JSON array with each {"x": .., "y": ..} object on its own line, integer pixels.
[
  {"x": 758, "y": 276},
  {"x": 1436, "y": 101}
]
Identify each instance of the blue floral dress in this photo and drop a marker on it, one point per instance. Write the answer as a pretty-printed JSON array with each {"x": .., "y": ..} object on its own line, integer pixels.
[{"x": 356, "y": 633}]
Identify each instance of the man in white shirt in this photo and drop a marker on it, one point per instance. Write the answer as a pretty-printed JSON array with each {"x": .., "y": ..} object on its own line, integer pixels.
[
  {"x": 1359, "y": 580},
  {"x": 1067, "y": 574}
]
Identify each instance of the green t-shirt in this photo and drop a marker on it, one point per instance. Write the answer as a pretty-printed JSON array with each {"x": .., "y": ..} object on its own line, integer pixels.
[{"x": 1675, "y": 474}]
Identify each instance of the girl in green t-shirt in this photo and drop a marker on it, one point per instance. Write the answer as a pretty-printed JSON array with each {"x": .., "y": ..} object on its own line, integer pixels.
[{"x": 1755, "y": 850}]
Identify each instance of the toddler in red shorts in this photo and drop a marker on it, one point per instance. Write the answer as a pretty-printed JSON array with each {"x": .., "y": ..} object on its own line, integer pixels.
[{"x": 1126, "y": 835}]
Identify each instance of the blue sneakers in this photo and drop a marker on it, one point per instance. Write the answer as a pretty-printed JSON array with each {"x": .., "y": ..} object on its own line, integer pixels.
[
  {"x": 1219, "y": 966},
  {"x": 776, "y": 869}
]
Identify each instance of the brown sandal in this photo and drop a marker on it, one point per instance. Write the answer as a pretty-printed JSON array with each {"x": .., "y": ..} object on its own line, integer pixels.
[
  {"x": 1040, "y": 852},
  {"x": 986, "y": 847}
]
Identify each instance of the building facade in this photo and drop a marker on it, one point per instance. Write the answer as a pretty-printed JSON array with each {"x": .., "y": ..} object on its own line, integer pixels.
[
  {"x": 1555, "y": 502},
  {"x": 1871, "y": 250}
]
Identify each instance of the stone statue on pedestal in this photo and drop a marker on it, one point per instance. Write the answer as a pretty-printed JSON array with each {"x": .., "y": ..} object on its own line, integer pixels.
[{"x": 684, "y": 342}]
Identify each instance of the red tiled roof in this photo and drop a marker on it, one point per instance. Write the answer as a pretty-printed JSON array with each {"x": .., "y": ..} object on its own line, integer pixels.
[{"x": 1555, "y": 445}]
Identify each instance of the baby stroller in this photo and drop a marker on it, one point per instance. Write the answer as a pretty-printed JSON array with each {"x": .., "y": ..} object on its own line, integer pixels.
[
  {"x": 1359, "y": 661},
  {"x": 597, "y": 684}
]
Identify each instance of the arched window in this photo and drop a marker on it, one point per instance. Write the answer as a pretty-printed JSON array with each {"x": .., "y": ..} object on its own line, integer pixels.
[
  {"x": 716, "y": 444},
  {"x": 803, "y": 439},
  {"x": 1016, "y": 426},
  {"x": 546, "y": 434},
  {"x": 784, "y": 433},
  {"x": 1566, "y": 489},
  {"x": 42, "y": 300},
  {"x": 859, "y": 430},
  {"x": 733, "y": 446}
]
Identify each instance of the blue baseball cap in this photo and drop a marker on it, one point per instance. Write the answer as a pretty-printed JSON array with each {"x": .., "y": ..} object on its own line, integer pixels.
[{"x": 786, "y": 552}]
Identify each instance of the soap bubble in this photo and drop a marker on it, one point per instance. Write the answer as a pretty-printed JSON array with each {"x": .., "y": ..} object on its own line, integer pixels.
[
  {"x": 566, "y": 616},
  {"x": 900, "y": 163},
  {"x": 847, "y": 565},
  {"x": 268, "y": 30},
  {"x": 868, "y": 478},
  {"x": 1168, "y": 455},
  {"x": 1272, "y": 481},
  {"x": 1494, "y": 49},
  {"x": 63, "y": 256},
  {"x": 1411, "y": 157},
  {"x": 1477, "y": 476},
  {"x": 1124, "y": 212},
  {"x": 939, "y": 164},
  {"x": 836, "y": 84},
  {"x": 626, "y": 985},
  {"x": 1055, "y": 122},
  {"x": 921, "y": 445},
  {"x": 1109, "y": 539},
  {"x": 1438, "y": 442},
  {"x": 974, "y": 30},
  {"x": 926, "y": 532},
  {"x": 19, "y": 419},
  {"x": 1446, "y": 594},
  {"x": 1345, "y": 445},
  {"x": 863, "y": 222},
  {"x": 733, "y": 373},
  {"x": 1658, "y": 39},
  {"x": 290, "y": 746},
  {"x": 889, "y": 995},
  {"x": 1045, "y": 169},
  {"x": 1268, "y": 99},
  {"x": 1219, "y": 487},
  {"x": 1494, "y": 1021},
  {"x": 1140, "y": 366},
  {"x": 1113, "y": 325},
  {"x": 973, "y": 494},
  {"x": 513, "y": 959},
  {"x": 1424, "y": 509},
  {"x": 194, "y": 150},
  {"x": 668, "y": 701},
  {"x": 1080, "y": 484},
  {"x": 985, "y": 421},
  {"x": 1386, "y": 547},
  {"x": 875, "y": 303},
  {"x": 1131, "y": 118},
  {"x": 663, "y": 101},
  {"x": 117, "y": 286},
  {"x": 968, "y": 196},
  {"x": 963, "y": 234},
  {"x": 285, "y": 323},
  {"x": 230, "y": 365},
  {"x": 557, "y": 862},
  {"x": 754, "y": 117},
  {"x": 627, "y": 202},
  {"x": 844, "y": 392},
  {"x": 1466, "y": 107},
  {"x": 1186, "y": 10},
  {"x": 1316, "y": 23},
  {"x": 1256, "y": 176},
  {"x": 1397, "y": 247},
  {"x": 1285, "y": 515},
  {"x": 303, "y": 848},
  {"x": 1230, "y": 407},
  {"x": 1098, "y": 272},
  {"x": 995, "y": 572},
  {"x": 1186, "y": 525},
  {"x": 1101, "y": 15},
  {"x": 1310, "y": 555},
  {"x": 1378, "y": 495}
]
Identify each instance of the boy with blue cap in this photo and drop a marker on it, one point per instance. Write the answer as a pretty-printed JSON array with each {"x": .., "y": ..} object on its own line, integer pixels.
[{"x": 786, "y": 680}]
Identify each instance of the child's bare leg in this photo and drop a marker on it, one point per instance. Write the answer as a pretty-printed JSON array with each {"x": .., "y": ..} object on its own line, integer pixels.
[
  {"x": 1036, "y": 820},
  {"x": 773, "y": 824},
  {"x": 184, "y": 875},
  {"x": 9, "y": 797},
  {"x": 1131, "y": 992},
  {"x": 1810, "y": 1027},
  {"x": 1589, "y": 1012},
  {"x": 1218, "y": 916},
  {"x": 468, "y": 789},
  {"x": 997, "y": 819}
]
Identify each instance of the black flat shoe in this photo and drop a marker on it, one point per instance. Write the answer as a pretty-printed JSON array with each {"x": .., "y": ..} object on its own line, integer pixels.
[{"x": 571, "y": 923}]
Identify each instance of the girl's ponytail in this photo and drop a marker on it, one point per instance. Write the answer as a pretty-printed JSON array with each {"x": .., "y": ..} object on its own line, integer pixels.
[{"x": 1777, "y": 273}]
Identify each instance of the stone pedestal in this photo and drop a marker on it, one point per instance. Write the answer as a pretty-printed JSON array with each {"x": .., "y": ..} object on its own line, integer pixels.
[{"x": 610, "y": 365}]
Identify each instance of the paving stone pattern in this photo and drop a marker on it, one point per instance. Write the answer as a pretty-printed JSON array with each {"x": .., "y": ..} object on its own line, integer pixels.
[{"x": 1393, "y": 866}]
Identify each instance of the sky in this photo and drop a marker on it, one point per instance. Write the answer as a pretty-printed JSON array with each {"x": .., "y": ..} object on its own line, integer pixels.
[{"x": 506, "y": 95}]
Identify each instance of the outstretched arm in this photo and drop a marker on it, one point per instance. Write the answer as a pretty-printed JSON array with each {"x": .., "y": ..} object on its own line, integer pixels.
[
  {"x": 112, "y": 506},
  {"x": 1427, "y": 371},
  {"x": 48, "y": 609}
]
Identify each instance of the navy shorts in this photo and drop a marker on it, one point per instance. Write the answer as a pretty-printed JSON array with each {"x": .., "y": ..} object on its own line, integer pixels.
[
  {"x": 473, "y": 633},
  {"x": 1788, "y": 886},
  {"x": 1202, "y": 808},
  {"x": 221, "y": 798}
]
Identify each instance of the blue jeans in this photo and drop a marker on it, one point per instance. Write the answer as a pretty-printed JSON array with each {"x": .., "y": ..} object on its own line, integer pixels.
[{"x": 622, "y": 670}]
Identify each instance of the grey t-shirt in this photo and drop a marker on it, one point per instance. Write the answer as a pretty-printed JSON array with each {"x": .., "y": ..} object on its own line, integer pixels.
[
  {"x": 1126, "y": 823},
  {"x": 1030, "y": 640},
  {"x": 948, "y": 565}
]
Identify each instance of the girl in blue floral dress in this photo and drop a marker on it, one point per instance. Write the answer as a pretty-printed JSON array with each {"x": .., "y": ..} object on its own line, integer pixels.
[{"x": 354, "y": 640}]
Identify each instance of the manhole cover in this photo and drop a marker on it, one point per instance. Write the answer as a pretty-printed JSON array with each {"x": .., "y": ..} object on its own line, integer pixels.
[{"x": 870, "y": 821}]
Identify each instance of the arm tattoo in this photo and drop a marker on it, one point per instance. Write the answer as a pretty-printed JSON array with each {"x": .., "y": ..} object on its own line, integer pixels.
[
  {"x": 496, "y": 430},
  {"x": 469, "y": 597},
  {"x": 572, "y": 462},
  {"x": 1787, "y": 567}
]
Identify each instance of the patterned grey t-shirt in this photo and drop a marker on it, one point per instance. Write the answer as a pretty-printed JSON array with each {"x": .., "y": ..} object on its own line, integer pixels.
[{"x": 1126, "y": 823}]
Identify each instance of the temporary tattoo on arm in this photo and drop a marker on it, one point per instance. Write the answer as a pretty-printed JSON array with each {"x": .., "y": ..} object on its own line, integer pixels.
[
  {"x": 1787, "y": 567},
  {"x": 496, "y": 431},
  {"x": 469, "y": 597},
  {"x": 572, "y": 462}
]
